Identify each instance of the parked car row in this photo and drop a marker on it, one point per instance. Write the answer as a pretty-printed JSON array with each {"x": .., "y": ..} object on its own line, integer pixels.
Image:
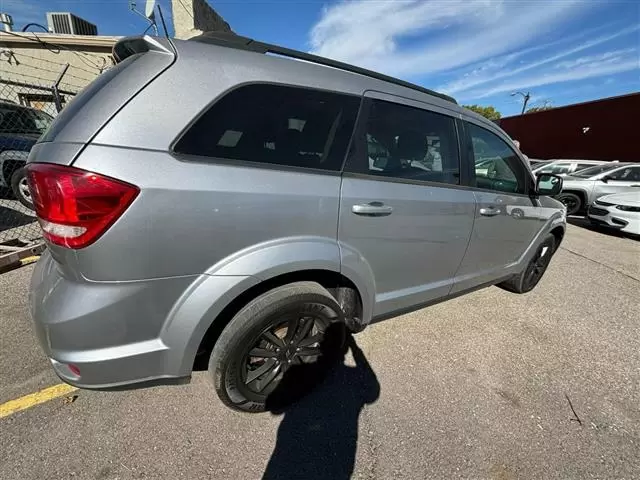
[
  {"x": 565, "y": 167},
  {"x": 607, "y": 192}
]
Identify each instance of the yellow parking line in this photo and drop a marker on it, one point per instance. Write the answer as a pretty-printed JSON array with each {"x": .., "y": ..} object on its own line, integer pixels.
[{"x": 33, "y": 399}]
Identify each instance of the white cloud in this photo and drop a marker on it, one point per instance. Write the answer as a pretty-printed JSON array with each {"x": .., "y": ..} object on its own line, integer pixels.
[
  {"x": 602, "y": 58},
  {"x": 460, "y": 32},
  {"x": 490, "y": 75},
  {"x": 580, "y": 69}
]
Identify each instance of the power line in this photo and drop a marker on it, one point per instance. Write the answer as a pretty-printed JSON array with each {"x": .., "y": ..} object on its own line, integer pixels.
[{"x": 58, "y": 48}]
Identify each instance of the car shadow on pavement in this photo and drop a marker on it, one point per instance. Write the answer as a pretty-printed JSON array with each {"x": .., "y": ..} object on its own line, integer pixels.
[
  {"x": 321, "y": 405},
  {"x": 585, "y": 223}
]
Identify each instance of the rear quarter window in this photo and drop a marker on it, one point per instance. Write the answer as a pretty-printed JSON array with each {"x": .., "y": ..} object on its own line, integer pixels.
[{"x": 275, "y": 124}]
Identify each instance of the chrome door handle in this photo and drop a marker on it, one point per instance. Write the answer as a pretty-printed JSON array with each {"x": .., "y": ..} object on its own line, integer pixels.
[
  {"x": 372, "y": 209},
  {"x": 489, "y": 211}
]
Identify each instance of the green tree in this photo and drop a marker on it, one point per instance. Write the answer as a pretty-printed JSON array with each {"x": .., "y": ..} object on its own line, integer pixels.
[{"x": 488, "y": 112}]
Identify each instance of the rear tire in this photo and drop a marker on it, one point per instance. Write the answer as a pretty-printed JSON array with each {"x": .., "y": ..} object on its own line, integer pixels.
[
  {"x": 20, "y": 188},
  {"x": 537, "y": 266},
  {"x": 283, "y": 327}
]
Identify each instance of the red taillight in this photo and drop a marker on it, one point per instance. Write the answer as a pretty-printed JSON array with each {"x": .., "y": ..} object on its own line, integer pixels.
[{"x": 75, "y": 207}]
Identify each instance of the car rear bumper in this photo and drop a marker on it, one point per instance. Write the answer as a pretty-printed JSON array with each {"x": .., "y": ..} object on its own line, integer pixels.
[{"x": 104, "y": 335}]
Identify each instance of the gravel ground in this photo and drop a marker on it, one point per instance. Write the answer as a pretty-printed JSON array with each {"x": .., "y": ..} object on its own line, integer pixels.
[{"x": 489, "y": 385}]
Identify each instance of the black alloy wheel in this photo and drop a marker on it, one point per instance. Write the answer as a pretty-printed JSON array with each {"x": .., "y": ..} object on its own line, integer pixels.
[
  {"x": 571, "y": 201},
  {"x": 286, "y": 342},
  {"x": 538, "y": 265},
  {"x": 287, "y": 328}
]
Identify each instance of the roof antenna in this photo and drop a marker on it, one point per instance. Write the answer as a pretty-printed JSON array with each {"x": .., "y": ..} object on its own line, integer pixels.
[{"x": 148, "y": 15}]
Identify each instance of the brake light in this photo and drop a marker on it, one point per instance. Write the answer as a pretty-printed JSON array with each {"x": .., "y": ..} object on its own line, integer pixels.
[{"x": 75, "y": 207}]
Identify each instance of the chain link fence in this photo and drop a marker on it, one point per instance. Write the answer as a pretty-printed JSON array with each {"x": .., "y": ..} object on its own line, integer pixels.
[{"x": 33, "y": 90}]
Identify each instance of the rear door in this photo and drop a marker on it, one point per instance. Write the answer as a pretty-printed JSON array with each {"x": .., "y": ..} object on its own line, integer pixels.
[
  {"x": 507, "y": 218},
  {"x": 403, "y": 215}
]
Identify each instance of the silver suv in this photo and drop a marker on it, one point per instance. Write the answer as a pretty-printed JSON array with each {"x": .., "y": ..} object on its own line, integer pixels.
[{"x": 207, "y": 200}]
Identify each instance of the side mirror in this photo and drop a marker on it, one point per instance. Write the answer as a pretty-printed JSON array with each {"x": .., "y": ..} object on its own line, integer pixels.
[
  {"x": 605, "y": 179},
  {"x": 548, "y": 184}
]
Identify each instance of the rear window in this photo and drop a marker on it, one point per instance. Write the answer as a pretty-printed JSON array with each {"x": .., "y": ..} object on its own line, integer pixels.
[{"x": 275, "y": 124}]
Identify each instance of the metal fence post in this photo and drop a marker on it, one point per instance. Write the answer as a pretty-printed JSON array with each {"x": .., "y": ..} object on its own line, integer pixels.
[{"x": 54, "y": 88}]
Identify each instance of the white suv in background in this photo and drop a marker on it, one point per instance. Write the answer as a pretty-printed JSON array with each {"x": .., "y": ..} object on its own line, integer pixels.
[{"x": 565, "y": 167}]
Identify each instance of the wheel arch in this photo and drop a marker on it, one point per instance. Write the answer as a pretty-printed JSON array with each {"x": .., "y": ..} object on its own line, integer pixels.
[
  {"x": 207, "y": 306},
  {"x": 580, "y": 193},
  {"x": 558, "y": 233},
  {"x": 341, "y": 287}
]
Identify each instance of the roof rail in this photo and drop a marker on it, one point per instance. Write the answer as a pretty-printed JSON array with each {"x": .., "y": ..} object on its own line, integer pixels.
[{"x": 228, "y": 39}]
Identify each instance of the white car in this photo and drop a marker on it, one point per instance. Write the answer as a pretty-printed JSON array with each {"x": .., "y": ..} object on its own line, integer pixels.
[
  {"x": 620, "y": 211},
  {"x": 566, "y": 167}
]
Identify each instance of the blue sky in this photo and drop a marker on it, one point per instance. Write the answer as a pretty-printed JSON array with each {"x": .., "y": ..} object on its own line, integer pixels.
[{"x": 479, "y": 51}]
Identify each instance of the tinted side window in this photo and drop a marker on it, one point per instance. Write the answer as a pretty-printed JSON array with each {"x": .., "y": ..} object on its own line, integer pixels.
[
  {"x": 557, "y": 168},
  {"x": 497, "y": 165},
  {"x": 275, "y": 124},
  {"x": 629, "y": 174},
  {"x": 582, "y": 166},
  {"x": 411, "y": 143}
]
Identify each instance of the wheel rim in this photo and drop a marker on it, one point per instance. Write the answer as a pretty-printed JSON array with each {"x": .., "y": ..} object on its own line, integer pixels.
[
  {"x": 292, "y": 339},
  {"x": 570, "y": 202},
  {"x": 538, "y": 265},
  {"x": 23, "y": 188}
]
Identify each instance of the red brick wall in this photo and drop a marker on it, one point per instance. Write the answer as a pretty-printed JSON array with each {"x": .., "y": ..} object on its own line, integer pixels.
[{"x": 612, "y": 130}]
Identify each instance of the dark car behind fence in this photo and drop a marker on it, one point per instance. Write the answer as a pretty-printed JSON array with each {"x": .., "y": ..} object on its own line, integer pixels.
[{"x": 28, "y": 104}]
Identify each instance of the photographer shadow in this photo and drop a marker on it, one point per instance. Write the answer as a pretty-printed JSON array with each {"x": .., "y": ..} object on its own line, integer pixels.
[{"x": 321, "y": 405}]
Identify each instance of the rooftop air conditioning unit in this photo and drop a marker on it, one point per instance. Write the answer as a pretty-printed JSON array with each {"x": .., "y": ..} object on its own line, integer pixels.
[{"x": 68, "y": 23}]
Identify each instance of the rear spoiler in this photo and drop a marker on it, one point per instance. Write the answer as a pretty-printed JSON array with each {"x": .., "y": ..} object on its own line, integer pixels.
[{"x": 128, "y": 46}]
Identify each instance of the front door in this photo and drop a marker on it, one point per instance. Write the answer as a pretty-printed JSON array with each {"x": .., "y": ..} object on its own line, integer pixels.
[
  {"x": 506, "y": 219},
  {"x": 403, "y": 216}
]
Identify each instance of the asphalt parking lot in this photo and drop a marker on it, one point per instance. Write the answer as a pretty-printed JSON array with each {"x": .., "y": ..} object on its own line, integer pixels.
[{"x": 489, "y": 385}]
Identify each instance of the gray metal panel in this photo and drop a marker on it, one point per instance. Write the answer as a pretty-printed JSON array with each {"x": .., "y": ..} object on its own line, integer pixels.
[
  {"x": 190, "y": 216},
  {"x": 88, "y": 112},
  {"x": 415, "y": 251},
  {"x": 55, "y": 152}
]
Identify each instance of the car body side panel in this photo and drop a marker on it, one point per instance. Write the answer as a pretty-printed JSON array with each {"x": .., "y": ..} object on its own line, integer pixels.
[
  {"x": 415, "y": 251},
  {"x": 498, "y": 241},
  {"x": 189, "y": 216},
  {"x": 549, "y": 214}
]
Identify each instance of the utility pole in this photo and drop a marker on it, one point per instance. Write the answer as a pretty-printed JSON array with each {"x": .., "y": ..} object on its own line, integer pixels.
[{"x": 526, "y": 97}]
